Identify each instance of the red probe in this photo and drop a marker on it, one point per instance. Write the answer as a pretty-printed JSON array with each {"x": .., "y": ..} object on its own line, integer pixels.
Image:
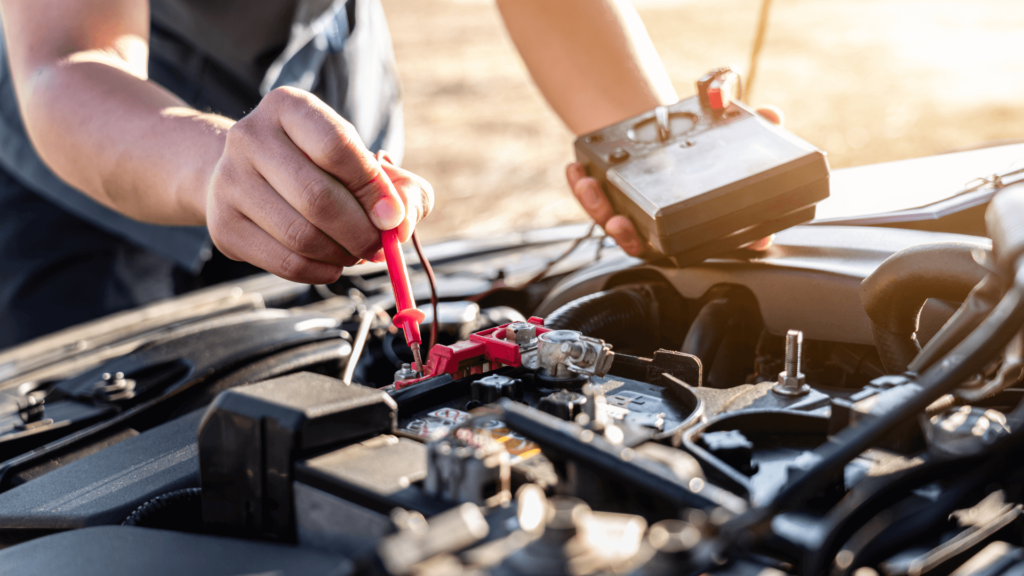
[{"x": 408, "y": 317}]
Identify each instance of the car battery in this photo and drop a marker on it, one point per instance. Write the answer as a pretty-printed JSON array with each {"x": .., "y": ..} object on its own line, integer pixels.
[{"x": 706, "y": 175}]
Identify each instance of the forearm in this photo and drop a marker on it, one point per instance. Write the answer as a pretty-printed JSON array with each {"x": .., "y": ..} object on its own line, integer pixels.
[
  {"x": 123, "y": 140},
  {"x": 592, "y": 59}
]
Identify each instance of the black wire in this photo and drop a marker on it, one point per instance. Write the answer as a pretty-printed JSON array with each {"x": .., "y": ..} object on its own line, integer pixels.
[
  {"x": 433, "y": 289},
  {"x": 544, "y": 271}
]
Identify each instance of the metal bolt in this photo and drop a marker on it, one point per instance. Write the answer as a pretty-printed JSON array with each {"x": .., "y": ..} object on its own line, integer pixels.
[
  {"x": 406, "y": 373},
  {"x": 115, "y": 387},
  {"x": 794, "y": 343},
  {"x": 791, "y": 381},
  {"x": 523, "y": 334}
]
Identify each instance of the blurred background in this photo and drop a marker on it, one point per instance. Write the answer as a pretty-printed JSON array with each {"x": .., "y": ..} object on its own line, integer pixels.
[{"x": 865, "y": 80}]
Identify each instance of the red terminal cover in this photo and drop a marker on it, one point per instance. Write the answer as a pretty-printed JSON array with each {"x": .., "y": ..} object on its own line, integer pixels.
[{"x": 486, "y": 346}]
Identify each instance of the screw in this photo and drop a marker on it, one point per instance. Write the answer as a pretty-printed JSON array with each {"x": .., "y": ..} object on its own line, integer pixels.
[
  {"x": 794, "y": 342},
  {"x": 791, "y": 381}
]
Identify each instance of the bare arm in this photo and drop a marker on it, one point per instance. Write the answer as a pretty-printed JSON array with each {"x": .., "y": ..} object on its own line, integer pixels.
[
  {"x": 592, "y": 59},
  {"x": 596, "y": 66},
  {"x": 290, "y": 188}
]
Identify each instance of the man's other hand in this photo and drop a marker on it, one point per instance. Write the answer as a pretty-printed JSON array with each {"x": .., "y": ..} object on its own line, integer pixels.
[
  {"x": 594, "y": 201},
  {"x": 298, "y": 194}
]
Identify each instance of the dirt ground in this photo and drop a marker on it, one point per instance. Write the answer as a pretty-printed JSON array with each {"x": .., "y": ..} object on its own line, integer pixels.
[{"x": 866, "y": 80}]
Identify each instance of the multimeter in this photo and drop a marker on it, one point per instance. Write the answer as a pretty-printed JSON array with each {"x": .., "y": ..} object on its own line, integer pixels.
[{"x": 706, "y": 175}]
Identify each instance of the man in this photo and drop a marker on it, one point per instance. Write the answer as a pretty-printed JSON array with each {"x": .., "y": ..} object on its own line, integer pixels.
[{"x": 127, "y": 148}]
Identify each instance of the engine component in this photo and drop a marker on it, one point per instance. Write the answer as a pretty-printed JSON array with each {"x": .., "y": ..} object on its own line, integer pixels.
[
  {"x": 406, "y": 373},
  {"x": 165, "y": 461},
  {"x": 964, "y": 430},
  {"x": 128, "y": 551},
  {"x": 418, "y": 540},
  {"x": 731, "y": 447},
  {"x": 467, "y": 466},
  {"x": 576, "y": 540},
  {"x": 523, "y": 334},
  {"x": 894, "y": 294},
  {"x": 710, "y": 328},
  {"x": 489, "y": 389},
  {"x": 698, "y": 180},
  {"x": 252, "y": 435},
  {"x": 624, "y": 313},
  {"x": 456, "y": 320},
  {"x": 115, "y": 387},
  {"x": 566, "y": 404},
  {"x": 343, "y": 497},
  {"x": 488, "y": 349},
  {"x": 791, "y": 380},
  {"x": 178, "y": 510},
  {"x": 670, "y": 541},
  {"x": 565, "y": 354}
]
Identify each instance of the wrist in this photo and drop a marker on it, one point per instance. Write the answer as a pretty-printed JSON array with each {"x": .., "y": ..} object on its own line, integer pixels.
[{"x": 195, "y": 185}]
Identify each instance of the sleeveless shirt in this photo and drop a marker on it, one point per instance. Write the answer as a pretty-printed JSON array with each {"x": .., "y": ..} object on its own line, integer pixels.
[{"x": 223, "y": 55}]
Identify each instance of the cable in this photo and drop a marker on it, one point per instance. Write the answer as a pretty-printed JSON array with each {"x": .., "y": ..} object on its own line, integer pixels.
[
  {"x": 540, "y": 275},
  {"x": 762, "y": 28},
  {"x": 433, "y": 289}
]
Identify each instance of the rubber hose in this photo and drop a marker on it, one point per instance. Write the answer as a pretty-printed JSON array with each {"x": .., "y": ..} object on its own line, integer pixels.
[
  {"x": 974, "y": 310},
  {"x": 180, "y": 510},
  {"x": 894, "y": 294},
  {"x": 709, "y": 329},
  {"x": 613, "y": 315}
]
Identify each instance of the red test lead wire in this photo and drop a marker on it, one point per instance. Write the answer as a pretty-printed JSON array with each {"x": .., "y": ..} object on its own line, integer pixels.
[{"x": 408, "y": 317}]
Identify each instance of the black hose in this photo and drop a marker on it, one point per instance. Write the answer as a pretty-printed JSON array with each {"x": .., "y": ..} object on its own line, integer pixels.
[
  {"x": 180, "y": 510},
  {"x": 978, "y": 305},
  {"x": 894, "y": 294},
  {"x": 942, "y": 377},
  {"x": 709, "y": 329},
  {"x": 614, "y": 315}
]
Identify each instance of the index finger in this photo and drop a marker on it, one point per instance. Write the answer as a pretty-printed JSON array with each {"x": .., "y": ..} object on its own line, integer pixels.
[{"x": 333, "y": 144}]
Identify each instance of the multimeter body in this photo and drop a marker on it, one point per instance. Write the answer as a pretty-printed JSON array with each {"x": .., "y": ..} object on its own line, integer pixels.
[{"x": 697, "y": 180}]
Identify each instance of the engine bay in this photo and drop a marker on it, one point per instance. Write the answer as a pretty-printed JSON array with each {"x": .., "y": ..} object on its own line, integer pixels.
[{"x": 831, "y": 405}]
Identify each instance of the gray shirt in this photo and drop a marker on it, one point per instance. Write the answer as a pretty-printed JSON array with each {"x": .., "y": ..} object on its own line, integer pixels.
[{"x": 223, "y": 55}]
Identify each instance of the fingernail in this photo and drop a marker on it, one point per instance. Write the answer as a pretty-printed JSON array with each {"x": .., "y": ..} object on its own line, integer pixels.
[
  {"x": 383, "y": 155},
  {"x": 388, "y": 213},
  {"x": 378, "y": 257},
  {"x": 576, "y": 172}
]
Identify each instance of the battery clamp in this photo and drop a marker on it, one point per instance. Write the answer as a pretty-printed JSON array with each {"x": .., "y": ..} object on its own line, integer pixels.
[{"x": 706, "y": 175}]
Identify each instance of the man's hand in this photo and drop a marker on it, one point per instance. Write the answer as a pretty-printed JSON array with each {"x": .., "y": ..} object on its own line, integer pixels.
[
  {"x": 297, "y": 194},
  {"x": 289, "y": 188},
  {"x": 589, "y": 194}
]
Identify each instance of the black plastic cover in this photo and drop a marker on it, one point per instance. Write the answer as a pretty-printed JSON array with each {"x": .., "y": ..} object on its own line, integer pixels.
[
  {"x": 131, "y": 551},
  {"x": 105, "y": 487},
  {"x": 252, "y": 435},
  {"x": 379, "y": 474}
]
